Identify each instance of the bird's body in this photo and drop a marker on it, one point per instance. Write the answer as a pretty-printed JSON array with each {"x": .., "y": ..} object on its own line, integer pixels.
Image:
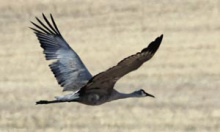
[
  {"x": 95, "y": 97},
  {"x": 72, "y": 74}
]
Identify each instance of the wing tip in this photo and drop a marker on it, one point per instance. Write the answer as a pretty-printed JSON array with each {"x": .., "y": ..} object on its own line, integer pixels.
[
  {"x": 48, "y": 28},
  {"x": 160, "y": 37},
  {"x": 154, "y": 45}
]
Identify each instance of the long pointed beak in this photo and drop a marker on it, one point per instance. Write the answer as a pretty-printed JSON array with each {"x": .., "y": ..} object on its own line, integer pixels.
[{"x": 150, "y": 95}]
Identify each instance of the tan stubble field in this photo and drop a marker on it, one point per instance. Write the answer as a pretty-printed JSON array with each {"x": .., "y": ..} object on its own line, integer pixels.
[{"x": 184, "y": 75}]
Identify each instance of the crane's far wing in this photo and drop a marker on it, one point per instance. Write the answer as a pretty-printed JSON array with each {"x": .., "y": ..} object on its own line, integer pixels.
[
  {"x": 108, "y": 78},
  {"x": 68, "y": 68}
]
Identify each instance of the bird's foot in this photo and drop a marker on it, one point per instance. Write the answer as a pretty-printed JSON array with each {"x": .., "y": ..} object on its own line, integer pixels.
[{"x": 42, "y": 102}]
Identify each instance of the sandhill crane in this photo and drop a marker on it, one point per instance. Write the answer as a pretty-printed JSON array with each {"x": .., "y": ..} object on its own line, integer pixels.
[{"x": 73, "y": 75}]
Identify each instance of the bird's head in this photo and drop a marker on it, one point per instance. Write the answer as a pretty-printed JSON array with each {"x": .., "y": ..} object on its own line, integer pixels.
[{"x": 142, "y": 93}]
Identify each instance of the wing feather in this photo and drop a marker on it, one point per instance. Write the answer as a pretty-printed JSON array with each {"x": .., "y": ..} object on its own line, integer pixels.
[
  {"x": 108, "y": 78},
  {"x": 68, "y": 68}
]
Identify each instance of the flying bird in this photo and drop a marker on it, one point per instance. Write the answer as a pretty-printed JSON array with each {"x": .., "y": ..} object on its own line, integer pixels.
[{"x": 72, "y": 74}]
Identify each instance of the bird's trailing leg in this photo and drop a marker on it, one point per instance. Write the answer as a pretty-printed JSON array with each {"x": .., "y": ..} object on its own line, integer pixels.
[
  {"x": 72, "y": 97},
  {"x": 47, "y": 102},
  {"x": 52, "y": 101}
]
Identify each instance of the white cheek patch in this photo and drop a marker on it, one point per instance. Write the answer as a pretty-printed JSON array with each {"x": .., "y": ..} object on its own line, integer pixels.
[{"x": 142, "y": 93}]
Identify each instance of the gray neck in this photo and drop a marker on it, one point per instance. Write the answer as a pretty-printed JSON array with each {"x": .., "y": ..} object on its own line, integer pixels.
[{"x": 117, "y": 95}]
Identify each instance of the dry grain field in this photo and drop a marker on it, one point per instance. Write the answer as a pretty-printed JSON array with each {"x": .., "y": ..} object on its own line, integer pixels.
[{"x": 184, "y": 75}]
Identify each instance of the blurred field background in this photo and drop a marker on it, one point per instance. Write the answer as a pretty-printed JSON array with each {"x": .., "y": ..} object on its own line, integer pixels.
[{"x": 184, "y": 75}]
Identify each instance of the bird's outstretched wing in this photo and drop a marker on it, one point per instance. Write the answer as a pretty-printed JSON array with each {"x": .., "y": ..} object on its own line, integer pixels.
[
  {"x": 68, "y": 68},
  {"x": 108, "y": 78}
]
